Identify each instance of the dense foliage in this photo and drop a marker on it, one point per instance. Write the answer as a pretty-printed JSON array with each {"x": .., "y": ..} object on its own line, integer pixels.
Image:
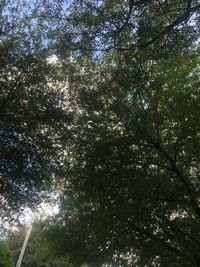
[
  {"x": 37, "y": 253},
  {"x": 116, "y": 119},
  {"x": 5, "y": 255},
  {"x": 131, "y": 187},
  {"x": 31, "y": 114}
]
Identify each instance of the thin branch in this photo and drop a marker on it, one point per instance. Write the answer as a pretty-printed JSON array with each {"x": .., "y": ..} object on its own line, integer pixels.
[
  {"x": 174, "y": 228},
  {"x": 175, "y": 23},
  {"x": 182, "y": 178},
  {"x": 160, "y": 241},
  {"x": 182, "y": 18},
  {"x": 119, "y": 30}
]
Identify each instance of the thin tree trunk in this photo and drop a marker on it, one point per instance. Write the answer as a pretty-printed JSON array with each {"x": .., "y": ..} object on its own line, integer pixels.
[{"x": 19, "y": 262}]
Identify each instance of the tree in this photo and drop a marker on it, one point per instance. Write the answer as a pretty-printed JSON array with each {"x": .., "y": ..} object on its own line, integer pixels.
[
  {"x": 31, "y": 112},
  {"x": 38, "y": 252},
  {"x": 132, "y": 173},
  {"x": 5, "y": 255},
  {"x": 124, "y": 129},
  {"x": 131, "y": 182}
]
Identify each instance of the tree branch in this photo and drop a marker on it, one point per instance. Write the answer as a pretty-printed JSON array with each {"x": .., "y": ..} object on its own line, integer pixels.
[
  {"x": 175, "y": 23},
  {"x": 160, "y": 241},
  {"x": 182, "y": 178}
]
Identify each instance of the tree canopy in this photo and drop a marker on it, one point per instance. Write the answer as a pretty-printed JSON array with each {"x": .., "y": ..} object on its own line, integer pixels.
[
  {"x": 132, "y": 185},
  {"x": 116, "y": 120},
  {"x": 31, "y": 113}
]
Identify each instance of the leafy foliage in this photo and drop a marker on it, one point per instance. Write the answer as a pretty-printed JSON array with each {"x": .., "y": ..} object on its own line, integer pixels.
[
  {"x": 5, "y": 255},
  {"x": 132, "y": 171},
  {"x": 116, "y": 119},
  {"x": 131, "y": 181},
  {"x": 31, "y": 114},
  {"x": 38, "y": 252}
]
